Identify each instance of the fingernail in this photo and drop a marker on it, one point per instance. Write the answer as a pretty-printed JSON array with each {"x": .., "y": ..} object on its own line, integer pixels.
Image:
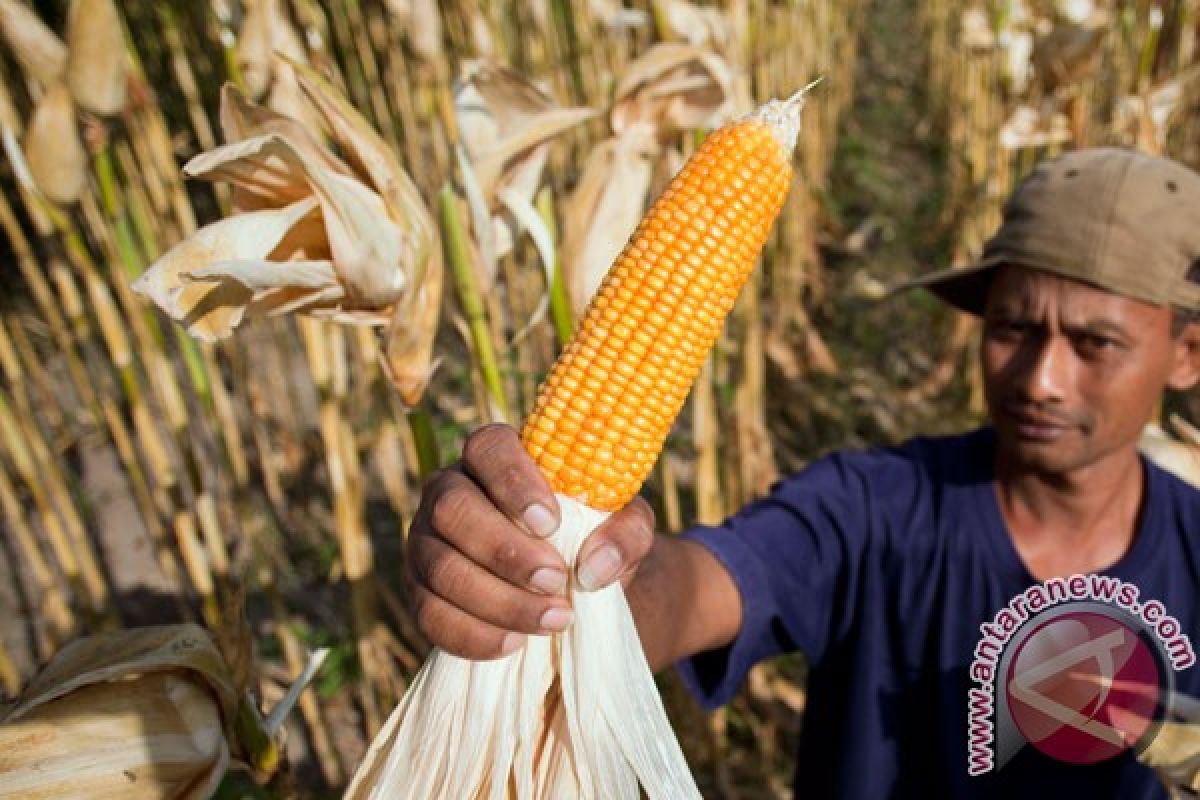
[
  {"x": 600, "y": 568},
  {"x": 511, "y": 642},
  {"x": 549, "y": 581},
  {"x": 557, "y": 619},
  {"x": 539, "y": 520}
]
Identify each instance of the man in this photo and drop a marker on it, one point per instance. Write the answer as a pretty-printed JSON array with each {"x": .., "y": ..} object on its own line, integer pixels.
[{"x": 997, "y": 614}]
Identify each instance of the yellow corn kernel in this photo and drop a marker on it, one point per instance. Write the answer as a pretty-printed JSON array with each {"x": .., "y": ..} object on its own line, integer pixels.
[{"x": 645, "y": 336}]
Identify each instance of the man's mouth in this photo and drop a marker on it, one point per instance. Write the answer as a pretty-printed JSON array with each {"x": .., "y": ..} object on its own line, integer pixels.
[{"x": 1033, "y": 426}]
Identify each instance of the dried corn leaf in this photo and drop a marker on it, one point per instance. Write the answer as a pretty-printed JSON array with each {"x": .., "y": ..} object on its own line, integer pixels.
[
  {"x": 371, "y": 252},
  {"x": 408, "y": 350},
  {"x": 55, "y": 154},
  {"x": 266, "y": 171},
  {"x": 361, "y": 260},
  {"x": 39, "y": 51},
  {"x": 288, "y": 99},
  {"x": 422, "y": 23},
  {"x": 1179, "y": 458},
  {"x": 212, "y": 309},
  {"x": 377, "y": 166},
  {"x": 587, "y": 721},
  {"x": 158, "y": 736},
  {"x": 505, "y": 122},
  {"x": 97, "y": 65},
  {"x": 1175, "y": 755},
  {"x": 242, "y": 119},
  {"x": 255, "y": 45},
  {"x": 139, "y": 713},
  {"x": 1068, "y": 55},
  {"x": 674, "y": 88},
  {"x": 699, "y": 27},
  {"x": 604, "y": 209},
  {"x": 1026, "y": 127}
]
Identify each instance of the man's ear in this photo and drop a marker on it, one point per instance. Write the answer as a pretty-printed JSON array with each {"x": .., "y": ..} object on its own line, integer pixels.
[{"x": 1185, "y": 363}]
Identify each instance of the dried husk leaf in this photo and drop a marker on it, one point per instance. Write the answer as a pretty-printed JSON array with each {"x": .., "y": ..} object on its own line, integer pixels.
[
  {"x": 1026, "y": 127},
  {"x": 700, "y": 27},
  {"x": 138, "y": 713},
  {"x": 243, "y": 119},
  {"x": 609, "y": 13},
  {"x": 39, "y": 51},
  {"x": 211, "y": 309},
  {"x": 370, "y": 251},
  {"x": 288, "y": 99},
  {"x": 1175, "y": 755},
  {"x": 377, "y": 166},
  {"x": 604, "y": 209},
  {"x": 570, "y": 715},
  {"x": 255, "y": 43},
  {"x": 156, "y": 736},
  {"x": 1179, "y": 458},
  {"x": 408, "y": 352},
  {"x": 97, "y": 65},
  {"x": 1067, "y": 55},
  {"x": 53, "y": 149},
  {"x": 675, "y": 88},
  {"x": 424, "y": 29},
  {"x": 266, "y": 171},
  {"x": 504, "y": 121}
]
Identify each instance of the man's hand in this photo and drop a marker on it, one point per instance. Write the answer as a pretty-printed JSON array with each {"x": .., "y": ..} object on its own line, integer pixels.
[{"x": 479, "y": 570}]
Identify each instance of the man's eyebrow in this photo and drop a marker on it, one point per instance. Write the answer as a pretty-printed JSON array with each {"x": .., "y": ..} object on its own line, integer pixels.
[{"x": 1100, "y": 327}]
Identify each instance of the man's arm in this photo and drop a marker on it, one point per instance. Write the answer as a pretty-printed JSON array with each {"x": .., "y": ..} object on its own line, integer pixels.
[
  {"x": 482, "y": 576},
  {"x": 683, "y": 601}
]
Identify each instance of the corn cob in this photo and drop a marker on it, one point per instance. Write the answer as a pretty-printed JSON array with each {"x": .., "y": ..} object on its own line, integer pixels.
[
  {"x": 603, "y": 413},
  {"x": 577, "y": 714}
]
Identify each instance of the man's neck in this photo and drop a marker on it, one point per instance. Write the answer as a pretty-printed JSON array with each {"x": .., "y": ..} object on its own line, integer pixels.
[{"x": 1070, "y": 523}]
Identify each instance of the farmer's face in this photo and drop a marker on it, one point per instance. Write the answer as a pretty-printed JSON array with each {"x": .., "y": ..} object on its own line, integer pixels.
[{"x": 1071, "y": 372}]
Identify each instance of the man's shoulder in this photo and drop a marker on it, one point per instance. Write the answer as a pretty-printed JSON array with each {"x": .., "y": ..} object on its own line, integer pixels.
[
  {"x": 1183, "y": 497},
  {"x": 918, "y": 463},
  {"x": 935, "y": 455}
]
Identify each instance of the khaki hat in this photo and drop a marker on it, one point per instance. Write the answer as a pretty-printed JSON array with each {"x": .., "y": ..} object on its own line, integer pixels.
[{"x": 1120, "y": 220}]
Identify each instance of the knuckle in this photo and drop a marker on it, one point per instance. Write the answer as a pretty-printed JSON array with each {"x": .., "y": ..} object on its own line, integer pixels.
[
  {"x": 643, "y": 516},
  {"x": 483, "y": 443},
  {"x": 511, "y": 479},
  {"x": 505, "y": 555},
  {"x": 447, "y": 576},
  {"x": 451, "y": 509},
  {"x": 436, "y": 483}
]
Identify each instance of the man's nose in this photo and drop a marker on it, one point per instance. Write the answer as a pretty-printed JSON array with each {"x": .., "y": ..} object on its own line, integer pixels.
[{"x": 1046, "y": 370}]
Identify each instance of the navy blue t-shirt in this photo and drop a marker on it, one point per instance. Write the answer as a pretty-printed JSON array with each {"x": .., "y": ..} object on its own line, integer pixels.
[{"x": 881, "y": 567}]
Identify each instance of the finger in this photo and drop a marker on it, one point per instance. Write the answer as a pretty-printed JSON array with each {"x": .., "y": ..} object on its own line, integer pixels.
[
  {"x": 450, "y": 575},
  {"x": 493, "y": 456},
  {"x": 617, "y": 546},
  {"x": 457, "y": 632},
  {"x": 466, "y": 519}
]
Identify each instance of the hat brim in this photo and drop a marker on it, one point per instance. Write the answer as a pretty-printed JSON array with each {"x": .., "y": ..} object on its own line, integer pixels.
[{"x": 965, "y": 288}]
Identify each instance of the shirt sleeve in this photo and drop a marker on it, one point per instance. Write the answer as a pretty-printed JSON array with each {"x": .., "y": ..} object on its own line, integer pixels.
[{"x": 795, "y": 557}]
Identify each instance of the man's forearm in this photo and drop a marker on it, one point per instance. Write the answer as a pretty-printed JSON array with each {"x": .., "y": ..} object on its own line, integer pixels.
[{"x": 683, "y": 601}]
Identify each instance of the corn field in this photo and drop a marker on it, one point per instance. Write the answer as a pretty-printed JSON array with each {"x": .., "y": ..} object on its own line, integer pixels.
[{"x": 219, "y": 440}]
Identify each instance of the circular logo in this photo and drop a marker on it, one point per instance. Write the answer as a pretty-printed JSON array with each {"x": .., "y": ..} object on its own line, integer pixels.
[{"x": 1086, "y": 685}]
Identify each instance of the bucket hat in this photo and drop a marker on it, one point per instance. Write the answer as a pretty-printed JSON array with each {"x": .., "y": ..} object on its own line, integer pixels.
[{"x": 1114, "y": 218}]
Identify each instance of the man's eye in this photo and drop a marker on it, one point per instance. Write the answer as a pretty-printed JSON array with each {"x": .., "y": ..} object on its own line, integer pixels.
[
  {"x": 1006, "y": 328},
  {"x": 1097, "y": 344}
]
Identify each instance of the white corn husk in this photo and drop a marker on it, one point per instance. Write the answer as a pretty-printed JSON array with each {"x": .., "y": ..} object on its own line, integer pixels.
[{"x": 571, "y": 715}]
